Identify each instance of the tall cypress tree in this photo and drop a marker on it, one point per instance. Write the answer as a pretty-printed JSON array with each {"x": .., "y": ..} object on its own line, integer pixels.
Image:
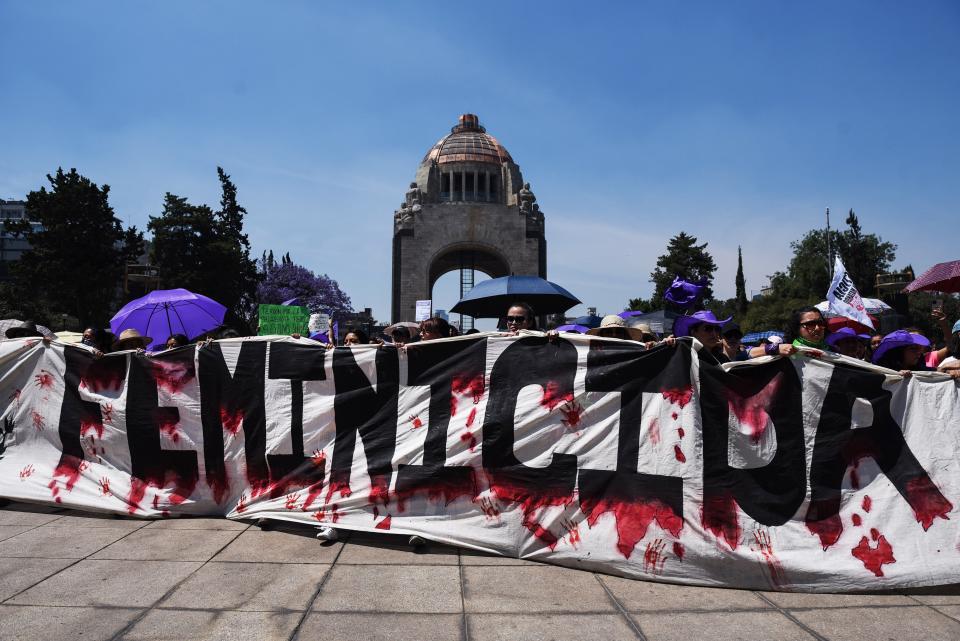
[{"x": 741, "y": 284}]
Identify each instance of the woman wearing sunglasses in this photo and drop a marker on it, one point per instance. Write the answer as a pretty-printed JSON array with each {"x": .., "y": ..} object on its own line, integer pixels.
[{"x": 808, "y": 328}]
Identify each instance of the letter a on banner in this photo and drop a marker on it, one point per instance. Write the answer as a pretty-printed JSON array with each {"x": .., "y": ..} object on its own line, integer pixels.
[{"x": 843, "y": 297}]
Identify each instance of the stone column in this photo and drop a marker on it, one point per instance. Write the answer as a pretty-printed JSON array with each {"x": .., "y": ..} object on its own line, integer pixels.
[{"x": 475, "y": 174}]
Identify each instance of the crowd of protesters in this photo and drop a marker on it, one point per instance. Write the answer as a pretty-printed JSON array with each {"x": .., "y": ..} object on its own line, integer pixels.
[{"x": 904, "y": 350}]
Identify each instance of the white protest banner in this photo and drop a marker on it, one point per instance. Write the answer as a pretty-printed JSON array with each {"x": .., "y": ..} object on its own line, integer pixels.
[
  {"x": 424, "y": 310},
  {"x": 820, "y": 474},
  {"x": 319, "y": 323},
  {"x": 843, "y": 297}
]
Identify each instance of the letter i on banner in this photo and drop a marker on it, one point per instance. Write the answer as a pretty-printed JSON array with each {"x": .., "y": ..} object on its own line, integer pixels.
[{"x": 843, "y": 297}]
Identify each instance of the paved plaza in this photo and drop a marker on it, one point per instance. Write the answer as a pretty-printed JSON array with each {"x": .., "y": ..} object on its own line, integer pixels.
[{"x": 69, "y": 575}]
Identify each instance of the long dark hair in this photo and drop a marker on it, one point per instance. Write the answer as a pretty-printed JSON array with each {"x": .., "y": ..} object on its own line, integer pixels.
[
  {"x": 793, "y": 325},
  {"x": 892, "y": 359}
]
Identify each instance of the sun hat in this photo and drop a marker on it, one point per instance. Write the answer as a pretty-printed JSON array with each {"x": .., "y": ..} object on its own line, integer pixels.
[
  {"x": 844, "y": 333},
  {"x": 25, "y": 329},
  {"x": 612, "y": 325},
  {"x": 776, "y": 340},
  {"x": 131, "y": 339},
  {"x": 648, "y": 333},
  {"x": 683, "y": 324},
  {"x": 899, "y": 338}
]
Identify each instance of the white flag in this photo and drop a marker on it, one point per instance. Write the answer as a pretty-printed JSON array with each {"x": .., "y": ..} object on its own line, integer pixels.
[{"x": 843, "y": 297}]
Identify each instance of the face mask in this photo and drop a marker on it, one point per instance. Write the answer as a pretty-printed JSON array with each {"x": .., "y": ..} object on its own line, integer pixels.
[{"x": 89, "y": 342}]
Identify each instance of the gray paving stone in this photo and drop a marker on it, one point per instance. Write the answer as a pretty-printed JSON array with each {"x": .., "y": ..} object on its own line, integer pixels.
[
  {"x": 8, "y": 531},
  {"x": 395, "y": 553},
  {"x": 937, "y": 595},
  {"x": 19, "y": 514},
  {"x": 645, "y": 596},
  {"x": 249, "y": 586},
  {"x": 167, "y": 545},
  {"x": 80, "y": 520},
  {"x": 186, "y": 625},
  {"x": 198, "y": 523},
  {"x": 381, "y": 627},
  {"x": 548, "y": 627},
  {"x": 788, "y": 600},
  {"x": 952, "y": 611},
  {"x": 119, "y": 583},
  {"x": 279, "y": 546},
  {"x": 721, "y": 626},
  {"x": 473, "y": 557},
  {"x": 870, "y": 624},
  {"x": 532, "y": 589},
  {"x": 19, "y": 574},
  {"x": 51, "y": 542},
  {"x": 61, "y": 624},
  {"x": 391, "y": 588}
]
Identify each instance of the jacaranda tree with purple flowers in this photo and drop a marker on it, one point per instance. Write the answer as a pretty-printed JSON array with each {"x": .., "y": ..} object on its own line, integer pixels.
[{"x": 285, "y": 280}]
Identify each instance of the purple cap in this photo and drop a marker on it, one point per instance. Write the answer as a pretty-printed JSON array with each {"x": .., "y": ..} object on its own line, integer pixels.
[
  {"x": 844, "y": 333},
  {"x": 899, "y": 338},
  {"x": 682, "y": 325}
]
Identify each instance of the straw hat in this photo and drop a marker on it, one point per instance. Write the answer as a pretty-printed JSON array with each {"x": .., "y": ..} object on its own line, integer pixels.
[
  {"x": 131, "y": 339},
  {"x": 613, "y": 326}
]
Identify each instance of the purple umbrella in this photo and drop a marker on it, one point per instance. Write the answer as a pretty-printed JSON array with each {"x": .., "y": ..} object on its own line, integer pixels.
[
  {"x": 165, "y": 312},
  {"x": 573, "y": 327}
]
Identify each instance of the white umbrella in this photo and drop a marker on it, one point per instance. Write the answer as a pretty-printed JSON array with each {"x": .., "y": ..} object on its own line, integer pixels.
[{"x": 871, "y": 305}]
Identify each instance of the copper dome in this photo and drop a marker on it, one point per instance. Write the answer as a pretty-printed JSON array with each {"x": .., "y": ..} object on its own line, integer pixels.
[{"x": 468, "y": 142}]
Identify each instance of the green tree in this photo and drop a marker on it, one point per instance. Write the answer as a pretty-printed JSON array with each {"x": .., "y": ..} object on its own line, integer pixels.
[
  {"x": 236, "y": 285},
  {"x": 741, "y": 283},
  {"x": 77, "y": 254},
  {"x": 684, "y": 258},
  {"x": 864, "y": 255},
  {"x": 182, "y": 236}
]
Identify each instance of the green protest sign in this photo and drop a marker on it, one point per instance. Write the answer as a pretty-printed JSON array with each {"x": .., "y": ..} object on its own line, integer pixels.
[{"x": 283, "y": 320}]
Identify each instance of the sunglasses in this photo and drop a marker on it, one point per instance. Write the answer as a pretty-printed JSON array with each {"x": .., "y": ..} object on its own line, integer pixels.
[
  {"x": 813, "y": 323},
  {"x": 704, "y": 327},
  {"x": 516, "y": 319}
]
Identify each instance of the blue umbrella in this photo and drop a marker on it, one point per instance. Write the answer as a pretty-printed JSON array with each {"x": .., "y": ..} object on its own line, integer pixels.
[
  {"x": 756, "y": 337},
  {"x": 590, "y": 321},
  {"x": 491, "y": 298}
]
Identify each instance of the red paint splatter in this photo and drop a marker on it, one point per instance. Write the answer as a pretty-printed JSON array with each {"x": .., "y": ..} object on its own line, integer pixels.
[
  {"x": 867, "y": 503},
  {"x": 242, "y": 504},
  {"x": 313, "y": 493},
  {"x": 319, "y": 458},
  {"x": 105, "y": 486},
  {"x": 490, "y": 508},
  {"x": 471, "y": 440},
  {"x": 91, "y": 424},
  {"x": 856, "y": 520},
  {"x": 827, "y": 529},
  {"x": 874, "y": 558},
  {"x": 107, "y": 412},
  {"x": 680, "y": 432},
  {"x": 231, "y": 421},
  {"x": 751, "y": 411},
  {"x": 379, "y": 491},
  {"x": 70, "y": 468},
  {"x": 874, "y": 533},
  {"x": 678, "y": 550},
  {"x": 679, "y": 396},
  {"x": 290, "y": 501},
  {"x": 416, "y": 423},
  {"x": 552, "y": 396},
  {"x": 471, "y": 417},
  {"x": 777, "y": 575},
  {"x": 182, "y": 488},
  {"x": 529, "y": 504},
  {"x": 43, "y": 380},
  {"x": 168, "y": 425},
  {"x": 26, "y": 472},
  {"x": 172, "y": 376},
  {"x": 674, "y": 415},
  {"x": 39, "y": 422},
  {"x": 321, "y": 515},
  {"x": 463, "y": 386},
  {"x": 572, "y": 412},
  {"x": 927, "y": 501},
  {"x": 105, "y": 374},
  {"x": 384, "y": 524},
  {"x": 343, "y": 487},
  {"x": 653, "y": 557},
  {"x": 678, "y": 454},
  {"x": 632, "y": 518},
  {"x": 653, "y": 429},
  {"x": 447, "y": 488},
  {"x": 573, "y": 533},
  {"x": 219, "y": 484},
  {"x": 720, "y": 516}
]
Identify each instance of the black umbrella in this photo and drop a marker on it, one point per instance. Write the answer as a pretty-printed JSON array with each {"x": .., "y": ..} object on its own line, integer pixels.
[{"x": 490, "y": 298}]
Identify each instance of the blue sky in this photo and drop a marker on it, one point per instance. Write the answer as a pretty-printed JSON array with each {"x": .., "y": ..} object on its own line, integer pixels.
[{"x": 736, "y": 122}]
